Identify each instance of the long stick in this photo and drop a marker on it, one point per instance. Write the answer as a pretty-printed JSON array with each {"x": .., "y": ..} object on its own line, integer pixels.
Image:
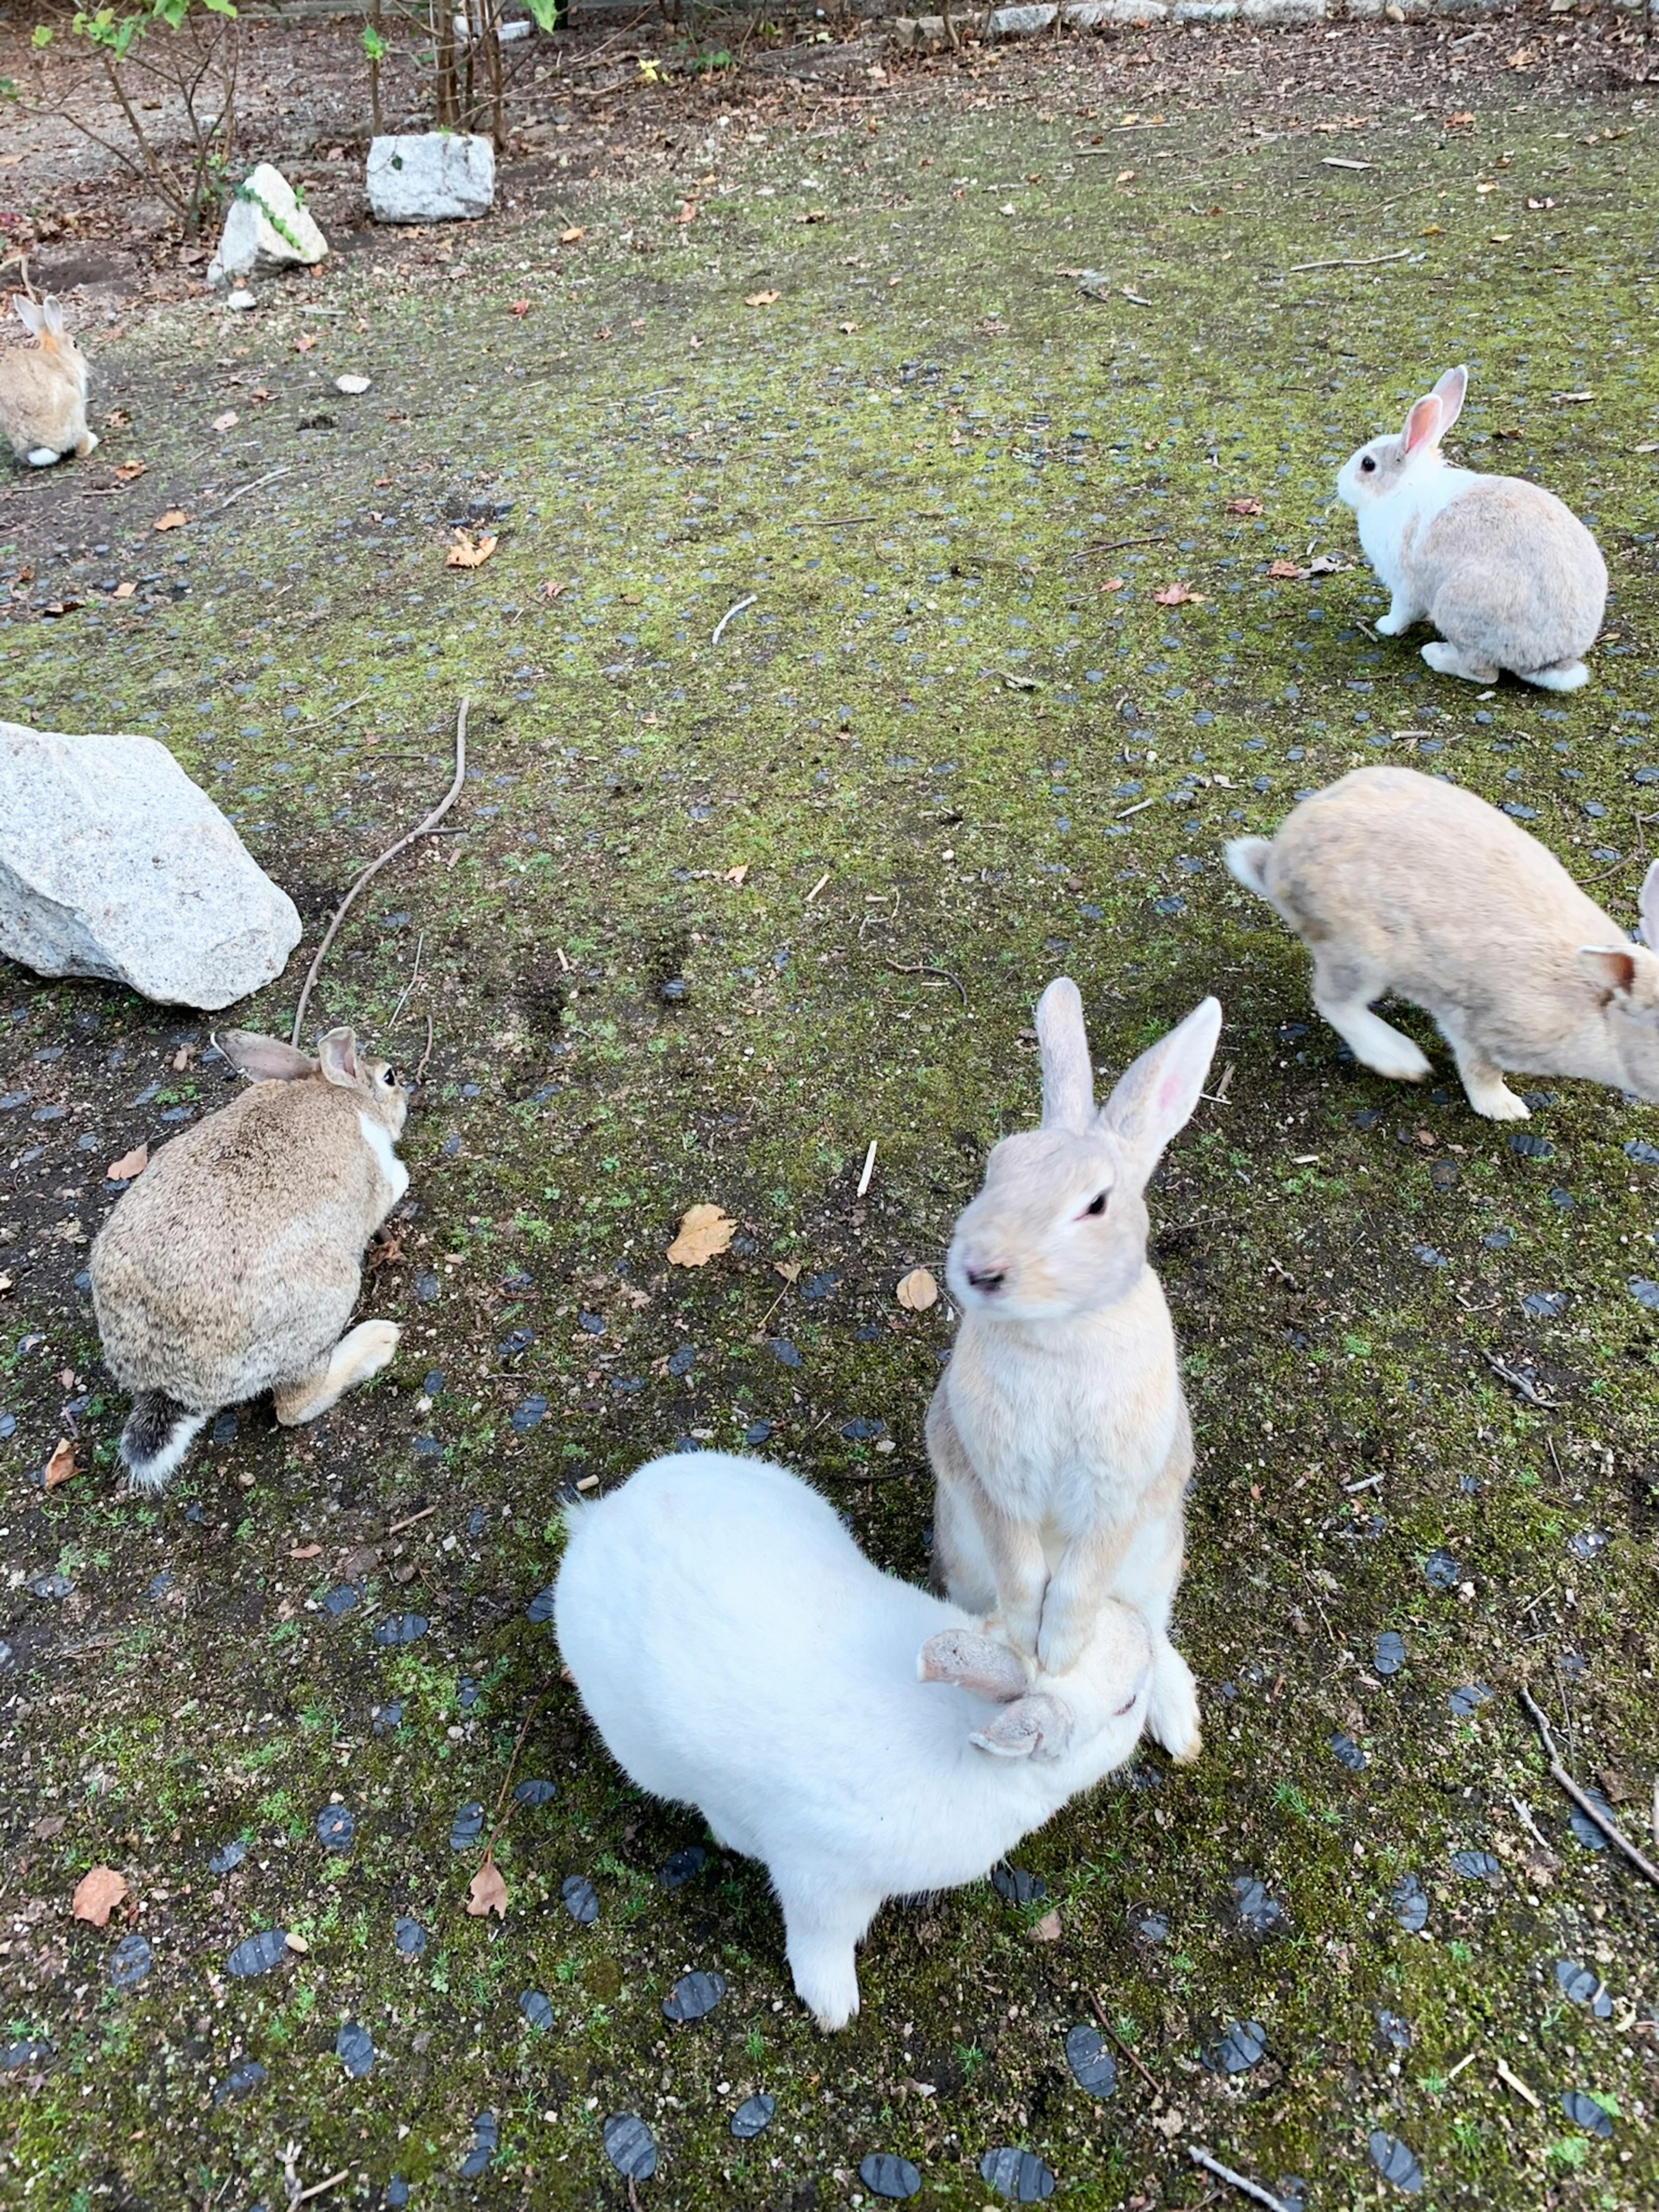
[
  {"x": 727, "y": 615},
  {"x": 1238, "y": 2180},
  {"x": 1588, "y": 1806},
  {"x": 270, "y": 476},
  {"x": 1374, "y": 261},
  {"x": 375, "y": 866}
]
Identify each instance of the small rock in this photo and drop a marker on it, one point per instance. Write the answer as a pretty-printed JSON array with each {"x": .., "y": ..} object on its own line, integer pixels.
[
  {"x": 242, "y": 301},
  {"x": 351, "y": 385},
  {"x": 113, "y": 865},
  {"x": 432, "y": 176}
]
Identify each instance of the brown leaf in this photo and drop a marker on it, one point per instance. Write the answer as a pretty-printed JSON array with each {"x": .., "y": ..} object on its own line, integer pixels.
[
  {"x": 688, "y": 212},
  {"x": 917, "y": 1291},
  {"x": 789, "y": 1269},
  {"x": 569, "y": 237},
  {"x": 761, "y": 299},
  {"x": 736, "y": 875},
  {"x": 704, "y": 1231},
  {"x": 59, "y": 1467},
  {"x": 518, "y": 307},
  {"x": 1247, "y": 506},
  {"x": 468, "y": 552},
  {"x": 48, "y": 1825},
  {"x": 554, "y": 591},
  {"x": 97, "y": 1894},
  {"x": 1113, "y": 584},
  {"x": 487, "y": 1892},
  {"x": 123, "y": 591},
  {"x": 130, "y": 1164},
  {"x": 1286, "y": 570},
  {"x": 128, "y": 470},
  {"x": 305, "y": 343},
  {"x": 1048, "y": 1930},
  {"x": 174, "y": 518},
  {"x": 1175, "y": 595},
  {"x": 307, "y": 1551},
  {"x": 227, "y": 420}
]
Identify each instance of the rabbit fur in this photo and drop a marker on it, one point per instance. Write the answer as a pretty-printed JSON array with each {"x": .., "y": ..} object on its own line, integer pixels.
[
  {"x": 1059, "y": 1435},
  {"x": 232, "y": 1265},
  {"x": 1507, "y": 575},
  {"x": 43, "y": 390},
  {"x": 737, "y": 1652},
  {"x": 1398, "y": 882}
]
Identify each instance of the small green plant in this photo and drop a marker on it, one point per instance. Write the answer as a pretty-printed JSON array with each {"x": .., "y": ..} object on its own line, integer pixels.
[{"x": 187, "y": 51}]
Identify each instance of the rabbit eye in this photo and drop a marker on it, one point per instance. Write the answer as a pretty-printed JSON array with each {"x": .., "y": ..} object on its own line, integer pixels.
[
  {"x": 1368, "y": 465},
  {"x": 1096, "y": 1205}
]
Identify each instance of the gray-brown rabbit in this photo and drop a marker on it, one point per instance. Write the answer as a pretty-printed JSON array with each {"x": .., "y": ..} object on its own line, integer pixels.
[{"x": 231, "y": 1266}]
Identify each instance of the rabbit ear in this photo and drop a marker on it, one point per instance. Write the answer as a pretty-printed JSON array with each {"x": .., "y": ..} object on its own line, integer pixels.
[
  {"x": 54, "y": 316},
  {"x": 1449, "y": 393},
  {"x": 26, "y": 313},
  {"x": 1650, "y": 908},
  {"x": 976, "y": 1661},
  {"x": 1068, "y": 1084},
  {"x": 262, "y": 1059},
  {"x": 336, "y": 1055},
  {"x": 1039, "y": 1723},
  {"x": 1422, "y": 425},
  {"x": 1613, "y": 966},
  {"x": 1157, "y": 1095}
]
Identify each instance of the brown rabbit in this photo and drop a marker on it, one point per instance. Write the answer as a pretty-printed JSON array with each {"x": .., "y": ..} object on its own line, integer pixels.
[
  {"x": 43, "y": 392},
  {"x": 232, "y": 1265}
]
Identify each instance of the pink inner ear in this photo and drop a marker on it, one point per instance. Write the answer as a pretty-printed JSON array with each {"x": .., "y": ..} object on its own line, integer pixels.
[{"x": 1423, "y": 424}]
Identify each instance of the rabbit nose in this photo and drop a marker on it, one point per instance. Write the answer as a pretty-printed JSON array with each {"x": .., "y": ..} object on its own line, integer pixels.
[{"x": 987, "y": 1279}]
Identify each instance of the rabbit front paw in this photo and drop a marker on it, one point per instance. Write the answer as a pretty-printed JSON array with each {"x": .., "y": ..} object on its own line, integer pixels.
[{"x": 1172, "y": 1716}]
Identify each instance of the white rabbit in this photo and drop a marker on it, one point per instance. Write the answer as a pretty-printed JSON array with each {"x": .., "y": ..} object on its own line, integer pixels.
[
  {"x": 1058, "y": 1434},
  {"x": 737, "y": 1652},
  {"x": 1401, "y": 882},
  {"x": 1507, "y": 575},
  {"x": 43, "y": 390},
  {"x": 232, "y": 1265}
]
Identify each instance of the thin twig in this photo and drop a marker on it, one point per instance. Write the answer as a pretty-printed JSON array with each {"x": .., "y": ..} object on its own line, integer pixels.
[
  {"x": 944, "y": 975},
  {"x": 1523, "y": 1383},
  {"x": 397, "y": 1527},
  {"x": 730, "y": 611},
  {"x": 420, "y": 945},
  {"x": 316, "y": 2188},
  {"x": 334, "y": 713},
  {"x": 374, "y": 868},
  {"x": 507, "y": 1779},
  {"x": 1586, "y": 1805},
  {"x": 1372, "y": 261},
  {"x": 1238, "y": 2180},
  {"x": 421, "y": 1071},
  {"x": 287, "y": 470},
  {"x": 869, "y": 1167},
  {"x": 1148, "y": 2079},
  {"x": 1117, "y": 544}
]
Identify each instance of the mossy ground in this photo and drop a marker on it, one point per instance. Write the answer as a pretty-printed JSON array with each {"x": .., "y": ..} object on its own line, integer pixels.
[{"x": 928, "y": 742}]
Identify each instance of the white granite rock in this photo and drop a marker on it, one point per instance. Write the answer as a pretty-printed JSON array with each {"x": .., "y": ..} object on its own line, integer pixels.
[
  {"x": 432, "y": 176},
  {"x": 113, "y": 864},
  {"x": 267, "y": 227},
  {"x": 1018, "y": 23}
]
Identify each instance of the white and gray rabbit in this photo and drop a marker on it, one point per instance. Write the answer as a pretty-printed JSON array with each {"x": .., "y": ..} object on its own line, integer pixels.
[
  {"x": 43, "y": 389},
  {"x": 232, "y": 1265},
  {"x": 1058, "y": 1434},
  {"x": 1403, "y": 883},
  {"x": 1507, "y": 575},
  {"x": 737, "y": 1652}
]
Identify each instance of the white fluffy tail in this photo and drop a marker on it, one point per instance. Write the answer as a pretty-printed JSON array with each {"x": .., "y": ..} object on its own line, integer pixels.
[
  {"x": 158, "y": 1434},
  {"x": 1564, "y": 676},
  {"x": 1247, "y": 860}
]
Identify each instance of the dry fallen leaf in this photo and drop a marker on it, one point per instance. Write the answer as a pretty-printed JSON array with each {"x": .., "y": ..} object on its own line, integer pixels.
[
  {"x": 487, "y": 1892},
  {"x": 846, "y": 329},
  {"x": 305, "y": 343},
  {"x": 518, "y": 307},
  {"x": 174, "y": 518},
  {"x": 917, "y": 1291},
  {"x": 59, "y": 1467},
  {"x": 1113, "y": 584},
  {"x": 688, "y": 211},
  {"x": 569, "y": 237},
  {"x": 1175, "y": 595},
  {"x": 1048, "y": 1930},
  {"x": 48, "y": 1825},
  {"x": 1244, "y": 506},
  {"x": 704, "y": 1231},
  {"x": 128, "y": 470},
  {"x": 123, "y": 591},
  {"x": 97, "y": 1894},
  {"x": 227, "y": 420},
  {"x": 467, "y": 552},
  {"x": 789, "y": 1269},
  {"x": 760, "y": 299},
  {"x": 736, "y": 875},
  {"x": 130, "y": 1164},
  {"x": 307, "y": 1551},
  {"x": 552, "y": 591},
  {"x": 1285, "y": 569}
]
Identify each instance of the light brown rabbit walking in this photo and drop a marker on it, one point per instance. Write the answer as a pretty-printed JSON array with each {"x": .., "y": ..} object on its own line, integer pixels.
[
  {"x": 1058, "y": 1434},
  {"x": 43, "y": 390},
  {"x": 1397, "y": 882},
  {"x": 232, "y": 1265}
]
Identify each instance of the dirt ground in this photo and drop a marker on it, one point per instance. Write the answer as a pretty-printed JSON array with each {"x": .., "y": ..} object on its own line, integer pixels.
[{"x": 954, "y": 375}]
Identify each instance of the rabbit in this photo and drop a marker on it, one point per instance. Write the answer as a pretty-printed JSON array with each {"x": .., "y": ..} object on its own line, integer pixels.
[
  {"x": 736, "y": 1652},
  {"x": 232, "y": 1265},
  {"x": 1401, "y": 882},
  {"x": 43, "y": 394},
  {"x": 1057, "y": 1434},
  {"x": 1507, "y": 575}
]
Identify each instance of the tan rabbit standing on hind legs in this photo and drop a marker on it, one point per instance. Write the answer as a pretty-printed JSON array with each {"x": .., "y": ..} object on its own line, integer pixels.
[
  {"x": 1058, "y": 1434},
  {"x": 231, "y": 1266}
]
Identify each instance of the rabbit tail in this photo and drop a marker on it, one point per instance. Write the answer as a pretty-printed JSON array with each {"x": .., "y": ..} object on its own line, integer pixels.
[
  {"x": 158, "y": 1434},
  {"x": 1247, "y": 859}
]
